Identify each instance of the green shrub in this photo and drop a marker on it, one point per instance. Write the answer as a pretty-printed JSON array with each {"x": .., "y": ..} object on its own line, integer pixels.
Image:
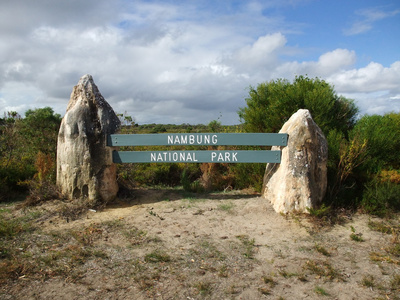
[
  {"x": 190, "y": 182},
  {"x": 158, "y": 128},
  {"x": 381, "y": 198},
  {"x": 11, "y": 227},
  {"x": 382, "y": 134},
  {"x": 20, "y": 142},
  {"x": 345, "y": 182},
  {"x": 272, "y": 103},
  {"x": 12, "y": 175},
  {"x": 248, "y": 175}
]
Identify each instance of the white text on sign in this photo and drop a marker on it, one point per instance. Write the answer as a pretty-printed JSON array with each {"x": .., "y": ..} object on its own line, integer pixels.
[
  {"x": 191, "y": 156},
  {"x": 206, "y": 139}
]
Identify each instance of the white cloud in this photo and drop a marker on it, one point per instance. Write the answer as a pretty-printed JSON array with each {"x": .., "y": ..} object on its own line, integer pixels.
[
  {"x": 374, "y": 87},
  {"x": 165, "y": 62},
  {"x": 367, "y": 18},
  {"x": 378, "y": 102},
  {"x": 328, "y": 63},
  {"x": 374, "y": 77},
  {"x": 336, "y": 60},
  {"x": 262, "y": 53}
]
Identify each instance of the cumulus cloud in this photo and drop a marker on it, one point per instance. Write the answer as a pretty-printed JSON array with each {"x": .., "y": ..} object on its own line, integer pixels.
[
  {"x": 264, "y": 51},
  {"x": 374, "y": 87},
  {"x": 374, "y": 77},
  {"x": 164, "y": 62},
  {"x": 327, "y": 64}
]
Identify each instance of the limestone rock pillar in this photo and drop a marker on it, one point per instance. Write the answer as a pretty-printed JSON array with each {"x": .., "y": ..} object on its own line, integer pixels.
[
  {"x": 300, "y": 180},
  {"x": 84, "y": 163}
]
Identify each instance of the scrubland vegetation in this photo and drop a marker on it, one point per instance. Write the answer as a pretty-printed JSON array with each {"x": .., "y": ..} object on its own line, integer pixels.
[
  {"x": 174, "y": 238},
  {"x": 364, "y": 151}
]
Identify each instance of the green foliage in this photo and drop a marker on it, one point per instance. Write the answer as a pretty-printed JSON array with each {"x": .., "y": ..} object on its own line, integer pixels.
[
  {"x": 40, "y": 129},
  {"x": 169, "y": 174},
  {"x": 214, "y": 126},
  {"x": 12, "y": 174},
  {"x": 247, "y": 175},
  {"x": 362, "y": 167},
  {"x": 20, "y": 142},
  {"x": 382, "y": 135},
  {"x": 14, "y": 164},
  {"x": 345, "y": 156},
  {"x": 381, "y": 198},
  {"x": 11, "y": 227},
  {"x": 320, "y": 291},
  {"x": 158, "y": 128},
  {"x": 321, "y": 212},
  {"x": 189, "y": 181},
  {"x": 125, "y": 119},
  {"x": 272, "y": 103},
  {"x": 42, "y": 186}
]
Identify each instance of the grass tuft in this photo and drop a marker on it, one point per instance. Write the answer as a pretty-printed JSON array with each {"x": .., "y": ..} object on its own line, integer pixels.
[
  {"x": 248, "y": 244},
  {"x": 203, "y": 287},
  {"x": 320, "y": 291},
  {"x": 322, "y": 269},
  {"x": 157, "y": 256},
  {"x": 322, "y": 250},
  {"x": 228, "y": 207},
  {"x": 368, "y": 281}
]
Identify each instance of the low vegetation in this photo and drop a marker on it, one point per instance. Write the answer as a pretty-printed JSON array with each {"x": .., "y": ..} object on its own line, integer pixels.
[
  {"x": 142, "y": 254},
  {"x": 363, "y": 176},
  {"x": 363, "y": 167}
]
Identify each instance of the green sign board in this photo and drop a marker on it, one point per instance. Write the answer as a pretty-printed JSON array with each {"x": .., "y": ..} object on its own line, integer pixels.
[
  {"x": 218, "y": 156},
  {"x": 198, "y": 139}
]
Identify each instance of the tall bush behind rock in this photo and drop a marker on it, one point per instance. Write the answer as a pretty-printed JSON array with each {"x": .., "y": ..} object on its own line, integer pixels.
[
  {"x": 272, "y": 103},
  {"x": 383, "y": 136},
  {"x": 380, "y": 171}
]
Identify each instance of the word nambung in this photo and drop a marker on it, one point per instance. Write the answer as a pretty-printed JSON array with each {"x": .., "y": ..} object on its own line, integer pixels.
[{"x": 191, "y": 139}]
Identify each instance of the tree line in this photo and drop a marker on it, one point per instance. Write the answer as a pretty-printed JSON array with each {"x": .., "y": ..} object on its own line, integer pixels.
[{"x": 364, "y": 151}]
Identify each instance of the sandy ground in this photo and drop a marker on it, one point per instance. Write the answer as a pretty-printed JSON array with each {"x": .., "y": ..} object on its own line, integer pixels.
[{"x": 164, "y": 245}]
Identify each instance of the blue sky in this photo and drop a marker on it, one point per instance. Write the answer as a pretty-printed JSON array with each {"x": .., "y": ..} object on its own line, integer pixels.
[{"x": 192, "y": 61}]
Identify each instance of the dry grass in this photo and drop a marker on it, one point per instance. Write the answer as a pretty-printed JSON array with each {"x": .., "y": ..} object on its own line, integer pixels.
[{"x": 53, "y": 244}]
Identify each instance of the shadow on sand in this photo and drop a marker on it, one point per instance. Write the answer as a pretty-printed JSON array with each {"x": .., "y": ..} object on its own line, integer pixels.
[{"x": 153, "y": 195}]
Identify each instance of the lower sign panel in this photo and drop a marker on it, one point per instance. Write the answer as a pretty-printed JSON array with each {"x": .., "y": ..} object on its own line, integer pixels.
[{"x": 221, "y": 156}]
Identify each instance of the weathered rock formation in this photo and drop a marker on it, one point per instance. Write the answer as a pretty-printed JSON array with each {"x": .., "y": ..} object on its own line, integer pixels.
[
  {"x": 84, "y": 163},
  {"x": 300, "y": 180}
]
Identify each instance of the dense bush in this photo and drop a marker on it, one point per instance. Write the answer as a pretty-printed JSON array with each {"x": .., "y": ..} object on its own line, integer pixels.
[
  {"x": 272, "y": 103},
  {"x": 358, "y": 150},
  {"x": 379, "y": 173},
  {"x": 381, "y": 198},
  {"x": 21, "y": 141},
  {"x": 248, "y": 175},
  {"x": 383, "y": 138},
  {"x": 168, "y": 174},
  {"x": 345, "y": 156}
]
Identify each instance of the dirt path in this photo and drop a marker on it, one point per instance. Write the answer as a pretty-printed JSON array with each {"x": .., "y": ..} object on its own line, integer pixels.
[{"x": 165, "y": 246}]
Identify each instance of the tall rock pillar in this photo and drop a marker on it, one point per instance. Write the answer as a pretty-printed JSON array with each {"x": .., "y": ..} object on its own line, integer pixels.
[
  {"x": 84, "y": 163},
  {"x": 300, "y": 180}
]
